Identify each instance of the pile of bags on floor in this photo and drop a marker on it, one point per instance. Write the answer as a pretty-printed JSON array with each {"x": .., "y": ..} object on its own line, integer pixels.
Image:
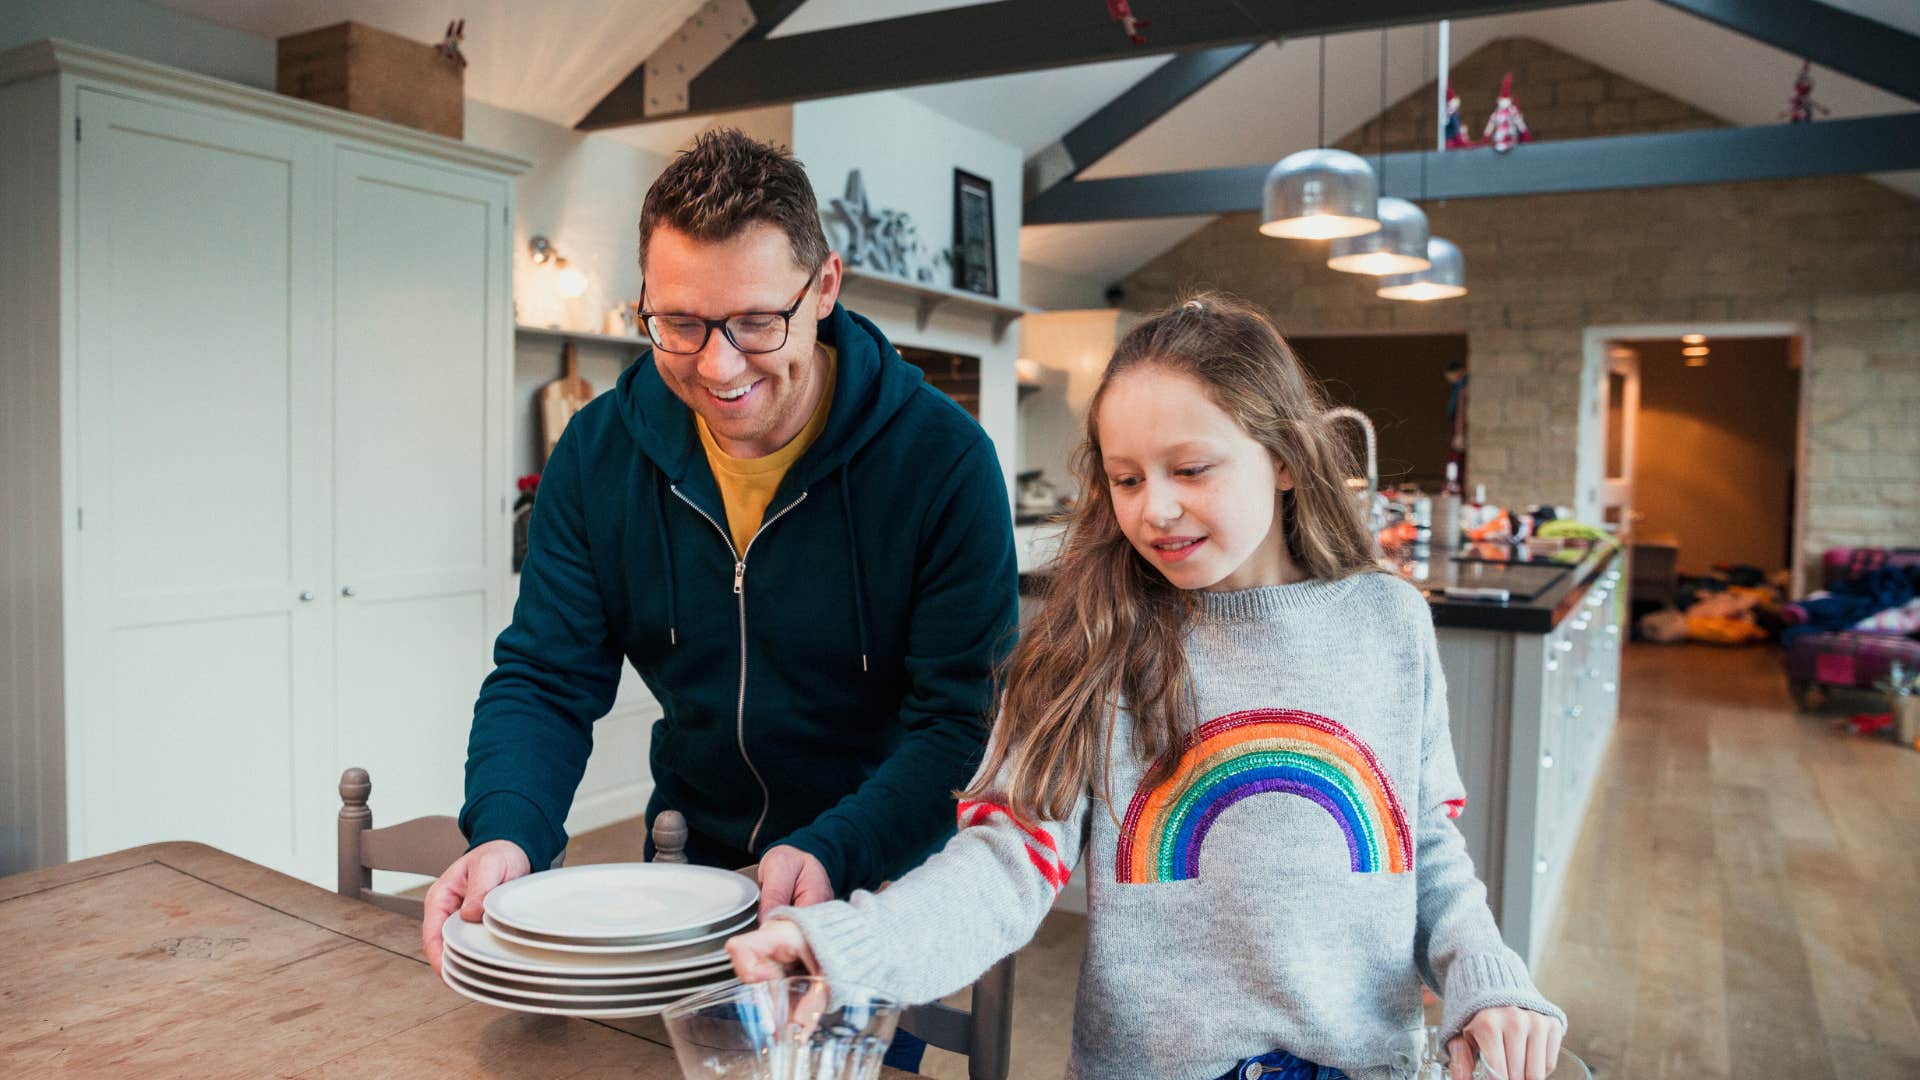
[
  {"x": 1721, "y": 613},
  {"x": 1885, "y": 600}
]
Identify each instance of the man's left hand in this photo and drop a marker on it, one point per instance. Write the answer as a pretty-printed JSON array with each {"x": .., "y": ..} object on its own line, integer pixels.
[{"x": 791, "y": 876}]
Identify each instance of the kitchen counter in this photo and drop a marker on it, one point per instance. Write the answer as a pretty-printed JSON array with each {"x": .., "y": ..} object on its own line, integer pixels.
[{"x": 1542, "y": 591}]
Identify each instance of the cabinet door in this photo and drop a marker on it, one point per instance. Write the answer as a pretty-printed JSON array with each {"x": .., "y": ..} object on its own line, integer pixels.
[
  {"x": 199, "y": 678},
  {"x": 419, "y": 266}
]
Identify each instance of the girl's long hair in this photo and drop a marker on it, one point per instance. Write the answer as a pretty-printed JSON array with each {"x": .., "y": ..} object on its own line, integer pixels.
[{"x": 1111, "y": 628}]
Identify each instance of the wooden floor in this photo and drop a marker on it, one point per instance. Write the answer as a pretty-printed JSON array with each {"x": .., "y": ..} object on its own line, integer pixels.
[
  {"x": 1744, "y": 901},
  {"x": 1745, "y": 897}
]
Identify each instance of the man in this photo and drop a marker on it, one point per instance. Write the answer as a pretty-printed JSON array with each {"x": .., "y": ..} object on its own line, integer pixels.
[{"x": 803, "y": 549}]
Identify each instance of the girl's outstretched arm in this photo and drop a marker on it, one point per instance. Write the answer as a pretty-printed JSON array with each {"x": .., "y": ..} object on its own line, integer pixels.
[
  {"x": 942, "y": 925},
  {"x": 1457, "y": 943}
]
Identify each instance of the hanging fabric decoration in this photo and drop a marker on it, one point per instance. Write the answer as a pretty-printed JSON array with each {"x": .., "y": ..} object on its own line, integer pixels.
[
  {"x": 1130, "y": 24},
  {"x": 1506, "y": 128},
  {"x": 1457, "y": 137},
  {"x": 1801, "y": 106}
]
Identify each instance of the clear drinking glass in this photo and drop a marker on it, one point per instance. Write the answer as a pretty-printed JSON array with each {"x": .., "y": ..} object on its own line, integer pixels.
[{"x": 802, "y": 1028}]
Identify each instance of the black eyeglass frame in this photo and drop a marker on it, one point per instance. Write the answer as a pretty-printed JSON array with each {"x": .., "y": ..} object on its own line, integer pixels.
[{"x": 786, "y": 324}]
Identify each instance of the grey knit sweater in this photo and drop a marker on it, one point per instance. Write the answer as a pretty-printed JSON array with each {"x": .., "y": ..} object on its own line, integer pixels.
[{"x": 1289, "y": 888}]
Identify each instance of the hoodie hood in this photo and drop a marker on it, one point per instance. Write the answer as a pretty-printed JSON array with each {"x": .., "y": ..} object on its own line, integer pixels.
[{"x": 871, "y": 384}]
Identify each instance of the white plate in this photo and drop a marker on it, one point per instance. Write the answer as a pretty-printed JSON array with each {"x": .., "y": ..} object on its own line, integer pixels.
[
  {"x": 510, "y": 937},
  {"x": 584, "y": 997},
  {"x": 528, "y": 1005},
  {"x": 621, "y": 901},
  {"x": 639, "y": 983},
  {"x": 473, "y": 942}
]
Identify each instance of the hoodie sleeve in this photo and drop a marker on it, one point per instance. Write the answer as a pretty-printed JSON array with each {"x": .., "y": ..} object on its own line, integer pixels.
[
  {"x": 556, "y": 669},
  {"x": 966, "y": 604}
]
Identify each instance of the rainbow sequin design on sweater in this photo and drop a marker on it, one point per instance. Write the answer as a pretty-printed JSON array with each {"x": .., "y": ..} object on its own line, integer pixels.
[{"x": 1256, "y": 752}]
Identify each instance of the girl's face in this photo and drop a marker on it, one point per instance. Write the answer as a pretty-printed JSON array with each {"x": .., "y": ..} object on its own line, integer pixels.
[{"x": 1197, "y": 497}]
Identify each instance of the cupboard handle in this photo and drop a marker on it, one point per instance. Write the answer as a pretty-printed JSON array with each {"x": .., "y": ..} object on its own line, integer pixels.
[
  {"x": 306, "y": 596},
  {"x": 1546, "y": 761},
  {"x": 346, "y": 590}
]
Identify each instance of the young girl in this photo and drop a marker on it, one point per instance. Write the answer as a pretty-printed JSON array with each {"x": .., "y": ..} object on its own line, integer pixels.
[{"x": 1242, "y": 727}]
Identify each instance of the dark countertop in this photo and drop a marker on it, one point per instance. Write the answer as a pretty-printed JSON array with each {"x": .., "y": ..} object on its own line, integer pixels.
[{"x": 1560, "y": 585}]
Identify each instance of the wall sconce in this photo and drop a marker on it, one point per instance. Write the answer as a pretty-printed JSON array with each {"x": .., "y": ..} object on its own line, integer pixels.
[{"x": 570, "y": 283}]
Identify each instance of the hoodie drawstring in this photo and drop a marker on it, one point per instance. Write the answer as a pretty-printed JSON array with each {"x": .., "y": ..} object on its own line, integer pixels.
[
  {"x": 853, "y": 554},
  {"x": 666, "y": 553}
]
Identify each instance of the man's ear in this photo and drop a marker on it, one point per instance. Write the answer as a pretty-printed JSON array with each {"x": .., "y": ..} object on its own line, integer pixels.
[{"x": 832, "y": 274}]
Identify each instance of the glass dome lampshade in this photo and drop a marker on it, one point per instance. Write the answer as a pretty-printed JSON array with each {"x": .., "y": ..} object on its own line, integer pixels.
[
  {"x": 1399, "y": 247},
  {"x": 1445, "y": 279},
  {"x": 1320, "y": 195}
]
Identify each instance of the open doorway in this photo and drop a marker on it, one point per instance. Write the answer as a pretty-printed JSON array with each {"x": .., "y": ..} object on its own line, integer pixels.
[{"x": 1700, "y": 436}]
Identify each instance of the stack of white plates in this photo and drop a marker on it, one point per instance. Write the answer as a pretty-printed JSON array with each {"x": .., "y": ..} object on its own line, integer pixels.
[{"x": 606, "y": 941}]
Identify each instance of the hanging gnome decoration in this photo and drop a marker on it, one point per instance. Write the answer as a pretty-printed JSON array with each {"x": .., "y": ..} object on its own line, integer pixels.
[
  {"x": 1801, "y": 106},
  {"x": 1457, "y": 137},
  {"x": 1506, "y": 128},
  {"x": 1130, "y": 24}
]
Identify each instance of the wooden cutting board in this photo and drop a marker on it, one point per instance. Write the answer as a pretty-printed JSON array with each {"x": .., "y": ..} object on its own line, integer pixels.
[{"x": 559, "y": 400}]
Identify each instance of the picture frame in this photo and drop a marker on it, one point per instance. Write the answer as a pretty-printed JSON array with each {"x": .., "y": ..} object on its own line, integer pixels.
[{"x": 974, "y": 257}]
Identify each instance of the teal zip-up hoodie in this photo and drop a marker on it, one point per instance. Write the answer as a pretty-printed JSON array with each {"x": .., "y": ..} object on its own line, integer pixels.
[{"x": 827, "y": 688}]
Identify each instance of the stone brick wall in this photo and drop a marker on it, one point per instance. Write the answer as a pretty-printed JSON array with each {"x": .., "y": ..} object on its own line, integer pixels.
[{"x": 1839, "y": 257}]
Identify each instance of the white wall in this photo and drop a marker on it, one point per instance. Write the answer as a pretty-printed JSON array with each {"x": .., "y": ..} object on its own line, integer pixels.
[
  {"x": 906, "y": 154},
  {"x": 145, "y": 31},
  {"x": 1072, "y": 349},
  {"x": 1057, "y": 290}
]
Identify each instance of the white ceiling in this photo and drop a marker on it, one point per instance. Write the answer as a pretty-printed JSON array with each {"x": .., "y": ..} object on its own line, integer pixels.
[{"x": 556, "y": 59}]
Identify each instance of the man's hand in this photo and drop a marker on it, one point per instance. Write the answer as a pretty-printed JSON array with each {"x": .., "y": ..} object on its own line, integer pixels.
[
  {"x": 1517, "y": 1044},
  {"x": 768, "y": 953},
  {"x": 465, "y": 885},
  {"x": 791, "y": 876}
]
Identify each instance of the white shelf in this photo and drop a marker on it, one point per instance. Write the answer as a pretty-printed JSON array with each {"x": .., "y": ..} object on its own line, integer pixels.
[
  {"x": 622, "y": 340},
  {"x": 928, "y": 297}
]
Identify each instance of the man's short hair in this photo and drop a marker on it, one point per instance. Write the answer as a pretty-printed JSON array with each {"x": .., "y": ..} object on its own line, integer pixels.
[{"x": 727, "y": 181}]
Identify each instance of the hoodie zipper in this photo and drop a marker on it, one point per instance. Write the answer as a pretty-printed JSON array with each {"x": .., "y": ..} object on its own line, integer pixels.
[{"x": 740, "y": 597}]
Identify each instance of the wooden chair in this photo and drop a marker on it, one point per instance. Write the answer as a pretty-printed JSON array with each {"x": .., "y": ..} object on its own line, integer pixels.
[
  {"x": 982, "y": 1033},
  {"x": 424, "y": 845}
]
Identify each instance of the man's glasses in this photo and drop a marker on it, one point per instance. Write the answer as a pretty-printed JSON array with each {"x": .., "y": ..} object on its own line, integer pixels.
[{"x": 750, "y": 332}]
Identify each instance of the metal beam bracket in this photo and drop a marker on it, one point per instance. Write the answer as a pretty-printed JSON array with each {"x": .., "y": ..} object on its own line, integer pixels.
[{"x": 702, "y": 39}]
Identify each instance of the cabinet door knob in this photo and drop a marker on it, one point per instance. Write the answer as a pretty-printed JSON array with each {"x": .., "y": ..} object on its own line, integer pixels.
[
  {"x": 306, "y": 596},
  {"x": 1610, "y": 687},
  {"x": 1546, "y": 761},
  {"x": 1563, "y": 646},
  {"x": 1613, "y": 628},
  {"x": 1540, "y": 866},
  {"x": 346, "y": 590},
  {"x": 1575, "y": 711}
]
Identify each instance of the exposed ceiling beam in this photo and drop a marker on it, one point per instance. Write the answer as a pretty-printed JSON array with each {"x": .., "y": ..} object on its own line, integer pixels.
[
  {"x": 769, "y": 14},
  {"x": 1127, "y": 115},
  {"x": 1854, "y": 45},
  {"x": 1002, "y": 38},
  {"x": 1664, "y": 159}
]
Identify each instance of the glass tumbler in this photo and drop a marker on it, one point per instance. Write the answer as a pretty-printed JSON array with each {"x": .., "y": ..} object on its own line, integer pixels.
[{"x": 800, "y": 1028}]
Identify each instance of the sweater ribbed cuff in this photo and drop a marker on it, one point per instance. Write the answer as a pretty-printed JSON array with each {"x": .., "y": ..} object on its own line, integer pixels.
[
  {"x": 509, "y": 815},
  {"x": 1490, "y": 981},
  {"x": 843, "y": 942}
]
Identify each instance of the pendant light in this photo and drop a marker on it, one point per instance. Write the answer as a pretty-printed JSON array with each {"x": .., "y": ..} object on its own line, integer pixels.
[
  {"x": 1323, "y": 193},
  {"x": 1445, "y": 279},
  {"x": 1399, "y": 246}
]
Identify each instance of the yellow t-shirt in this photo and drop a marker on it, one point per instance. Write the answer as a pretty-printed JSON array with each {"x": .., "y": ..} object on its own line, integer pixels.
[{"x": 747, "y": 484}]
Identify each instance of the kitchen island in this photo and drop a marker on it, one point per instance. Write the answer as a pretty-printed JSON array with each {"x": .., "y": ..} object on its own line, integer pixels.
[{"x": 1533, "y": 689}]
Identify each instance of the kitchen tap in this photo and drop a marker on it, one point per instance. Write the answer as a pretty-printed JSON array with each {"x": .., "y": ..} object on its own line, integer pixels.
[{"x": 1370, "y": 505}]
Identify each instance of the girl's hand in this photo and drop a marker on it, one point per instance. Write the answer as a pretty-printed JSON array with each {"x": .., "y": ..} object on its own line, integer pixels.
[
  {"x": 769, "y": 952},
  {"x": 1518, "y": 1044}
]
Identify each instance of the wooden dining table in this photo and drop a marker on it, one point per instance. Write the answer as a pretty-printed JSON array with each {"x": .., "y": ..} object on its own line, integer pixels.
[{"x": 179, "y": 959}]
